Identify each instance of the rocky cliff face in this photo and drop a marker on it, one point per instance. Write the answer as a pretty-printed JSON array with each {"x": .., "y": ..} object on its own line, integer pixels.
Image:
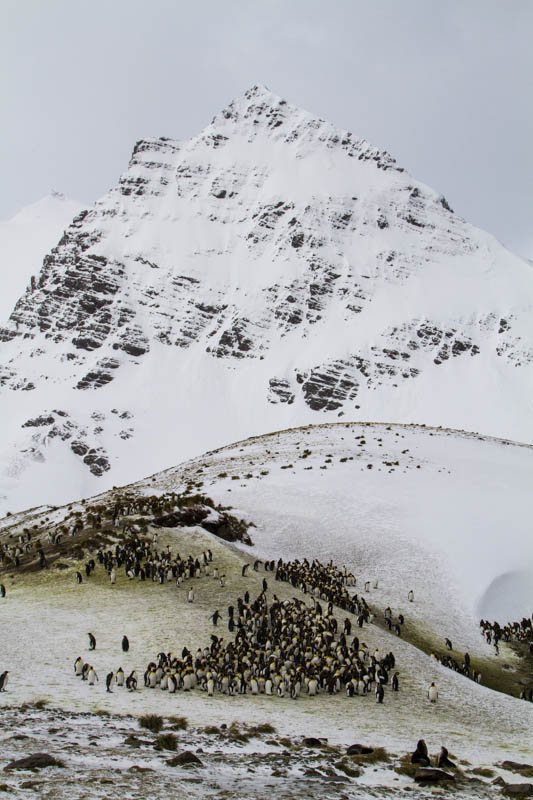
[{"x": 268, "y": 272}]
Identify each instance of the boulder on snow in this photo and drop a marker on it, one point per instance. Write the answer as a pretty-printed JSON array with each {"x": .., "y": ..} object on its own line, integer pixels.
[
  {"x": 518, "y": 789},
  {"x": 35, "y": 761},
  {"x": 312, "y": 741},
  {"x": 185, "y": 759}
]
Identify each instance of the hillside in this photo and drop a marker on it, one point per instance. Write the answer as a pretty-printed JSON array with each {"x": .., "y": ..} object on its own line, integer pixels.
[
  {"x": 436, "y": 511},
  {"x": 272, "y": 271}
]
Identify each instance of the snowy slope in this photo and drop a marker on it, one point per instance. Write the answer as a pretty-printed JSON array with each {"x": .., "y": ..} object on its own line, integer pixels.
[
  {"x": 271, "y": 271},
  {"x": 442, "y": 512},
  {"x": 25, "y": 239},
  {"x": 445, "y": 521}
]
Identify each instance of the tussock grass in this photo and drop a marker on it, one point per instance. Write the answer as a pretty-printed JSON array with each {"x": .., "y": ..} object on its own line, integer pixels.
[
  {"x": 483, "y": 772},
  {"x": 151, "y": 722},
  {"x": 40, "y": 703},
  {"x": 406, "y": 768},
  {"x": 379, "y": 754},
  {"x": 525, "y": 771},
  {"x": 212, "y": 730},
  {"x": 263, "y": 728},
  {"x": 179, "y": 723},
  {"x": 349, "y": 769},
  {"x": 167, "y": 741}
]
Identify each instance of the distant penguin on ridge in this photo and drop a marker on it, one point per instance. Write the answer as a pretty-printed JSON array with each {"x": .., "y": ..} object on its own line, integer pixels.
[
  {"x": 92, "y": 641},
  {"x": 3, "y": 680},
  {"x": 125, "y": 644}
]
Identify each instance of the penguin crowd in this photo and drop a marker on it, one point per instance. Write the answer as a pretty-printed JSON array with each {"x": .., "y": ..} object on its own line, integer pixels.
[
  {"x": 282, "y": 648},
  {"x": 512, "y": 632},
  {"x": 141, "y": 560}
]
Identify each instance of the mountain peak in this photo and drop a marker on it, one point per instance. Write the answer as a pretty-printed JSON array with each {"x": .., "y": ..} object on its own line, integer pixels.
[{"x": 270, "y": 269}]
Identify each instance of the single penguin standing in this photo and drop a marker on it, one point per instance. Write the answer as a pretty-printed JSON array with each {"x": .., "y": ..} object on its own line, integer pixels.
[
  {"x": 108, "y": 681},
  {"x": 243, "y": 571},
  {"x": 395, "y": 683},
  {"x": 92, "y": 641},
  {"x": 119, "y": 678},
  {"x": 380, "y": 693},
  {"x": 3, "y": 680},
  {"x": 125, "y": 644},
  {"x": 411, "y": 596},
  {"x": 2, "y": 590},
  {"x": 433, "y": 693},
  {"x": 78, "y": 665},
  {"x": 92, "y": 677},
  {"x": 79, "y": 579},
  {"x": 131, "y": 681},
  {"x": 190, "y": 596}
]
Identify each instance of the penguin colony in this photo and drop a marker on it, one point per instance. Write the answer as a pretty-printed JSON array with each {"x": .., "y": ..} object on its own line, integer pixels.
[
  {"x": 184, "y": 509},
  {"x": 284, "y": 648},
  {"x": 142, "y": 560},
  {"x": 312, "y": 660}
]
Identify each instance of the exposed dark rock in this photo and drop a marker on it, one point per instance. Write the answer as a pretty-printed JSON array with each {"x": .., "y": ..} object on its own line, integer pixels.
[
  {"x": 279, "y": 391},
  {"x": 97, "y": 461},
  {"x": 79, "y": 448},
  {"x": 518, "y": 789},
  {"x": 34, "y": 761},
  {"x": 222, "y": 525},
  {"x": 311, "y": 741},
  {"x": 39, "y": 422},
  {"x": 297, "y": 240},
  {"x": 185, "y": 759},
  {"x": 235, "y": 341},
  {"x": 327, "y": 387},
  {"x": 94, "y": 379}
]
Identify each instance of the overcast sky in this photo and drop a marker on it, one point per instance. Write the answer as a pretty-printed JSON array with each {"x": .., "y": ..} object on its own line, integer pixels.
[{"x": 446, "y": 86}]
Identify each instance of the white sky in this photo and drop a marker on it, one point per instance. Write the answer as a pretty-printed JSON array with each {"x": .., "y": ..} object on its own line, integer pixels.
[{"x": 446, "y": 87}]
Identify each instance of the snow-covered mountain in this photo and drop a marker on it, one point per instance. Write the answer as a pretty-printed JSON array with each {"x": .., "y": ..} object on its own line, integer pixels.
[
  {"x": 271, "y": 271},
  {"x": 25, "y": 239}
]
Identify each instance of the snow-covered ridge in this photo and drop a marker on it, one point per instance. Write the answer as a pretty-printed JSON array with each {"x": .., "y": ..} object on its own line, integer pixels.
[{"x": 268, "y": 269}]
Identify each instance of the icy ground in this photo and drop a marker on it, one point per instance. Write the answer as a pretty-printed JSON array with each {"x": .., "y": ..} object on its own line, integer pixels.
[
  {"x": 447, "y": 521},
  {"x": 111, "y": 757}
]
